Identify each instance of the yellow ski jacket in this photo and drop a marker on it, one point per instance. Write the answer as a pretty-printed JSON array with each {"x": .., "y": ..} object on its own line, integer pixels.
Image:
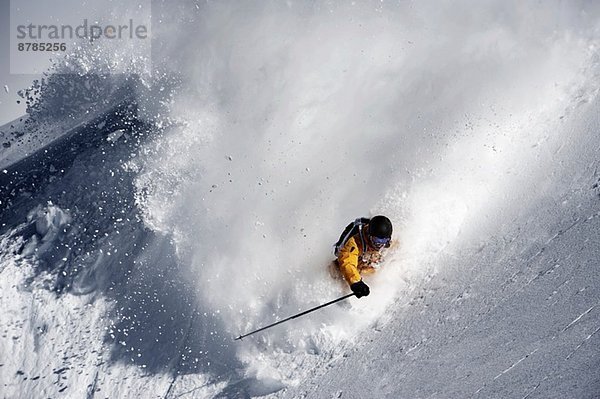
[{"x": 352, "y": 261}]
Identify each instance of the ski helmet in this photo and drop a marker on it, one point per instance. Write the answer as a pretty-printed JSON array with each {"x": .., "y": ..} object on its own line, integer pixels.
[{"x": 380, "y": 226}]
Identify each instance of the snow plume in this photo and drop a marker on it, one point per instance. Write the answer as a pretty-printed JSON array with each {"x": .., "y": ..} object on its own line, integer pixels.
[
  {"x": 295, "y": 118},
  {"x": 273, "y": 126}
]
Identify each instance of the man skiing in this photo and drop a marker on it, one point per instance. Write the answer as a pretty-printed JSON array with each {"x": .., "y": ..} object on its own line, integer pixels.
[{"x": 359, "y": 250}]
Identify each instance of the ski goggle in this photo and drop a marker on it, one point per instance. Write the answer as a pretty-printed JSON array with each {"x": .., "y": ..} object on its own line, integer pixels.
[{"x": 380, "y": 242}]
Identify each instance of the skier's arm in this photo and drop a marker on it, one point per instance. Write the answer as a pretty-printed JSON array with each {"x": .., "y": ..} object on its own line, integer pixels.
[{"x": 348, "y": 262}]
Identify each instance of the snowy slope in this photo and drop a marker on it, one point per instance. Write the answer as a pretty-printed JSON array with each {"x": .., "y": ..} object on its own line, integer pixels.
[
  {"x": 146, "y": 225},
  {"x": 54, "y": 112},
  {"x": 513, "y": 314}
]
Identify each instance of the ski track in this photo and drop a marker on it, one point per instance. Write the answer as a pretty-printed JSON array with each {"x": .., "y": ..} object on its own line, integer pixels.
[{"x": 578, "y": 318}]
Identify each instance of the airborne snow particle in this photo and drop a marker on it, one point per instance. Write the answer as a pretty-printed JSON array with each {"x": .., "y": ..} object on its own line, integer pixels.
[
  {"x": 114, "y": 136},
  {"x": 6, "y": 89}
]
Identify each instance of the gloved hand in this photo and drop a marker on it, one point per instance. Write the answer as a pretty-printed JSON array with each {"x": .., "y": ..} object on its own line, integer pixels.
[{"x": 360, "y": 289}]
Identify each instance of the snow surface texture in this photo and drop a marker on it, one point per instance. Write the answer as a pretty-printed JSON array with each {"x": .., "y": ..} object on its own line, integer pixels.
[{"x": 140, "y": 235}]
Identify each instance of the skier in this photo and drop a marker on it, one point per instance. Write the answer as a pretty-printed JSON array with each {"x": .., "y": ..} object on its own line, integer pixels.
[{"x": 359, "y": 248}]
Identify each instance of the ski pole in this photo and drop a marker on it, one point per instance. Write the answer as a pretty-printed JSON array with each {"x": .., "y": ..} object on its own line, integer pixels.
[{"x": 298, "y": 315}]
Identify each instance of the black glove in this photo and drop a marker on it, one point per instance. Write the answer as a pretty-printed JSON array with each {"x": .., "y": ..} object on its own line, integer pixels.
[{"x": 360, "y": 289}]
